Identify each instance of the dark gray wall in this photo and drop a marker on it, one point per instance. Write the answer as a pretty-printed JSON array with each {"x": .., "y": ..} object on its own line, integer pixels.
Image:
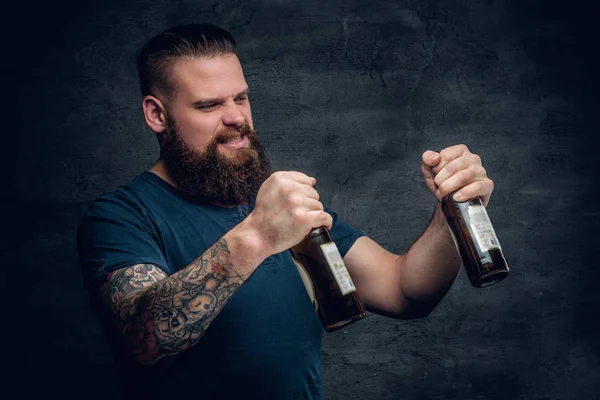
[{"x": 351, "y": 92}]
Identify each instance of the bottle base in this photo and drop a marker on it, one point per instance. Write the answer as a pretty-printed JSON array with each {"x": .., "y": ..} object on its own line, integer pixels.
[
  {"x": 343, "y": 324},
  {"x": 490, "y": 279}
]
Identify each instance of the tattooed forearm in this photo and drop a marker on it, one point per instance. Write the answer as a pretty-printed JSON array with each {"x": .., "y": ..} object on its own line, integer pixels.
[{"x": 160, "y": 316}]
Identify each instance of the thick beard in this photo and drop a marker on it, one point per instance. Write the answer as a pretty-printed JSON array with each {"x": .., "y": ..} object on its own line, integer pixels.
[{"x": 212, "y": 176}]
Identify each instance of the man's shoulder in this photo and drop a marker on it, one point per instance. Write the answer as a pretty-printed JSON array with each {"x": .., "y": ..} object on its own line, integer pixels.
[{"x": 129, "y": 196}]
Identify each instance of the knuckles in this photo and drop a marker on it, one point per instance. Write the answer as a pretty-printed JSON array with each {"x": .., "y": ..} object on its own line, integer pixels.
[
  {"x": 275, "y": 177},
  {"x": 294, "y": 200},
  {"x": 468, "y": 174},
  {"x": 488, "y": 184},
  {"x": 482, "y": 171},
  {"x": 299, "y": 216},
  {"x": 285, "y": 187},
  {"x": 329, "y": 221}
]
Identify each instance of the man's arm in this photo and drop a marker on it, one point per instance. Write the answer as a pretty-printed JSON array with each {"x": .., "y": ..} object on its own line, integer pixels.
[
  {"x": 159, "y": 315},
  {"x": 410, "y": 285}
]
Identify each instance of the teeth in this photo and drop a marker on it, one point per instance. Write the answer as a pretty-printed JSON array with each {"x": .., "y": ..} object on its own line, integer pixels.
[{"x": 235, "y": 139}]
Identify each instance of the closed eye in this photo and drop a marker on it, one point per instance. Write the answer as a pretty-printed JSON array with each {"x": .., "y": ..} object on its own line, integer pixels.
[{"x": 206, "y": 106}]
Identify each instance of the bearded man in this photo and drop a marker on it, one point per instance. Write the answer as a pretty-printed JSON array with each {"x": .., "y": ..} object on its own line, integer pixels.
[{"x": 187, "y": 263}]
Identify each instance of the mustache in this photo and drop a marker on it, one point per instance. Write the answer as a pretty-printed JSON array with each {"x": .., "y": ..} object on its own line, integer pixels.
[{"x": 226, "y": 134}]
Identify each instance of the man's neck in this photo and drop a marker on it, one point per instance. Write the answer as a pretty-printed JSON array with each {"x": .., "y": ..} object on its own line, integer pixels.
[{"x": 160, "y": 169}]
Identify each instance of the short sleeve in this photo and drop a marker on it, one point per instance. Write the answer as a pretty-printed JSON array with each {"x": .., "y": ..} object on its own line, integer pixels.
[
  {"x": 343, "y": 234},
  {"x": 114, "y": 233}
]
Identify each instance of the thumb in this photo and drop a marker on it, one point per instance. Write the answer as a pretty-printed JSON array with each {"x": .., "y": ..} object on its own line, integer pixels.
[{"x": 431, "y": 158}]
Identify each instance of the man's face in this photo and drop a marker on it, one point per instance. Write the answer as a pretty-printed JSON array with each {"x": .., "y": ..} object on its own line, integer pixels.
[{"x": 211, "y": 150}]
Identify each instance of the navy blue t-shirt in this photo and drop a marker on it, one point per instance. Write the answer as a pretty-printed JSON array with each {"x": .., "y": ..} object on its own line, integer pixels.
[{"x": 266, "y": 341}]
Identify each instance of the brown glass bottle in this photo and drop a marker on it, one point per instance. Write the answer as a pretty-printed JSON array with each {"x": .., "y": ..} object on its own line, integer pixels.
[
  {"x": 327, "y": 280},
  {"x": 476, "y": 241}
]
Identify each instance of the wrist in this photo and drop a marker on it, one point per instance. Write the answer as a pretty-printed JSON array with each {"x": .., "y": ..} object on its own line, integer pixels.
[
  {"x": 438, "y": 220},
  {"x": 248, "y": 248},
  {"x": 439, "y": 225}
]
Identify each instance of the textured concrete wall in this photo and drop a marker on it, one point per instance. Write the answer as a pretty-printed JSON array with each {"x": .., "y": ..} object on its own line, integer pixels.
[{"x": 351, "y": 92}]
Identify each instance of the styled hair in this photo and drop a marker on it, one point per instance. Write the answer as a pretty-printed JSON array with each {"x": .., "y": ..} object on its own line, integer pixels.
[{"x": 156, "y": 58}]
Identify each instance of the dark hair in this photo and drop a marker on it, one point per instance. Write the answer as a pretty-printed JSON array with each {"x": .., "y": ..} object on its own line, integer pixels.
[{"x": 160, "y": 53}]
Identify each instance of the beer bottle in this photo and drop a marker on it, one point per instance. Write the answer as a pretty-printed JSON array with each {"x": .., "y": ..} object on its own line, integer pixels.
[
  {"x": 327, "y": 280},
  {"x": 476, "y": 241}
]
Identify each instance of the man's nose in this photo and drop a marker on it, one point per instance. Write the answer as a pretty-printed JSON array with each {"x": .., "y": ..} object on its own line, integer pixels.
[{"x": 233, "y": 116}]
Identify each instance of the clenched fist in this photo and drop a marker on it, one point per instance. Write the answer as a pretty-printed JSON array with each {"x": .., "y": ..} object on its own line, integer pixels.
[
  {"x": 455, "y": 168},
  {"x": 287, "y": 207}
]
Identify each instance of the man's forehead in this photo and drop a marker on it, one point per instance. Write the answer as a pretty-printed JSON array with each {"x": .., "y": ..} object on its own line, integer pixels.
[{"x": 208, "y": 76}]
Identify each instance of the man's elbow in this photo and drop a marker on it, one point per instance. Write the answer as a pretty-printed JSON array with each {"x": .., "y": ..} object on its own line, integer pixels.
[
  {"x": 416, "y": 309},
  {"x": 416, "y": 314},
  {"x": 405, "y": 311},
  {"x": 146, "y": 352}
]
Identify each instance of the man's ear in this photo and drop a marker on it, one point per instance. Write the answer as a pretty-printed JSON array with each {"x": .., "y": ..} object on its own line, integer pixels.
[{"x": 154, "y": 113}]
